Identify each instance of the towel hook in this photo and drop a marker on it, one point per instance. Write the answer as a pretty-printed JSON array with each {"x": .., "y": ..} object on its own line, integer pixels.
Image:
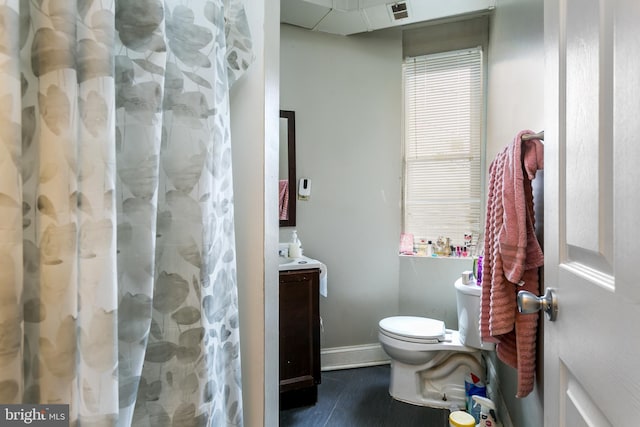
[{"x": 530, "y": 136}]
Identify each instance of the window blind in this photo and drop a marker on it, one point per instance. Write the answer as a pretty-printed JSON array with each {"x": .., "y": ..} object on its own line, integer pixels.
[{"x": 443, "y": 101}]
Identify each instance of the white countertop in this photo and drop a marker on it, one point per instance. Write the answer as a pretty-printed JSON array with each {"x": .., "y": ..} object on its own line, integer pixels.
[{"x": 301, "y": 263}]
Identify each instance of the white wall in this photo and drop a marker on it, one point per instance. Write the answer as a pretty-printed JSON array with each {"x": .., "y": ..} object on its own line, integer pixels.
[
  {"x": 255, "y": 134},
  {"x": 346, "y": 95},
  {"x": 515, "y": 102}
]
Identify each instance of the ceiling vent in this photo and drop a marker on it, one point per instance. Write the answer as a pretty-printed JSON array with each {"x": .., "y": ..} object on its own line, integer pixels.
[
  {"x": 399, "y": 11},
  {"x": 346, "y": 17}
]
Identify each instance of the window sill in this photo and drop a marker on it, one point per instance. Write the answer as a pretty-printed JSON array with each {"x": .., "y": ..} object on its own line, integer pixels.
[{"x": 467, "y": 258}]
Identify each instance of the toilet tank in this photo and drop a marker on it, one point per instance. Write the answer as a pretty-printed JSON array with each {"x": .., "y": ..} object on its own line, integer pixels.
[{"x": 468, "y": 301}]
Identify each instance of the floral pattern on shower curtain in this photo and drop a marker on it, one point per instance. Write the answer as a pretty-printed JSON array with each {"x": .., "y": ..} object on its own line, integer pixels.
[{"x": 117, "y": 255}]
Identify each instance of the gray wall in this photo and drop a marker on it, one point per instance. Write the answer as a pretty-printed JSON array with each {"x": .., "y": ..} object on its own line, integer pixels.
[
  {"x": 426, "y": 287},
  {"x": 446, "y": 36},
  {"x": 516, "y": 90},
  {"x": 344, "y": 91}
]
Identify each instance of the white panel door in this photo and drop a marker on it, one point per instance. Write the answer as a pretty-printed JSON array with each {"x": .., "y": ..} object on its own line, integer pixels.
[{"x": 592, "y": 212}]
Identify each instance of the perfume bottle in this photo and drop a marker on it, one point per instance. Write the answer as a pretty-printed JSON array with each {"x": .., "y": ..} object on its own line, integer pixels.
[{"x": 477, "y": 270}]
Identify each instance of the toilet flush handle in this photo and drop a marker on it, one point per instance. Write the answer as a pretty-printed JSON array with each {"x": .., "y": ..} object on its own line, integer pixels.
[{"x": 530, "y": 303}]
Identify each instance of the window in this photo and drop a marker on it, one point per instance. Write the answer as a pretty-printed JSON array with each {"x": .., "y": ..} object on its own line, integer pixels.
[{"x": 443, "y": 101}]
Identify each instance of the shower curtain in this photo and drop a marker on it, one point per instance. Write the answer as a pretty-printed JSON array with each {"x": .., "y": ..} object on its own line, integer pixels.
[{"x": 117, "y": 255}]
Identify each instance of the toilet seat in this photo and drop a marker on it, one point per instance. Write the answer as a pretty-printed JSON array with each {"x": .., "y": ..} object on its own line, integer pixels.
[{"x": 421, "y": 330}]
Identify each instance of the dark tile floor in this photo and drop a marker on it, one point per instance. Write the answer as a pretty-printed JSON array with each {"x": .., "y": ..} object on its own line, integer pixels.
[{"x": 360, "y": 398}]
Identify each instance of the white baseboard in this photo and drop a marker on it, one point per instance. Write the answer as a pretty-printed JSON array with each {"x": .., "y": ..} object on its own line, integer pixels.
[
  {"x": 495, "y": 394},
  {"x": 352, "y": 356}
]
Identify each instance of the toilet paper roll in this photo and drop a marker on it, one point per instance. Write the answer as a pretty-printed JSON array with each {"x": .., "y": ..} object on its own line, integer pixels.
[{"x": 467, "y": 277}]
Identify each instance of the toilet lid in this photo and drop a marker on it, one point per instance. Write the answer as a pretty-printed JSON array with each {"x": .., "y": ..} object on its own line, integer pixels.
[{"x": 422, "y": 328}]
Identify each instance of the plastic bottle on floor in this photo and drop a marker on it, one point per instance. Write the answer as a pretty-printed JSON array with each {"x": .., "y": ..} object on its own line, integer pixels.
[{"x": 461, "y": 419}]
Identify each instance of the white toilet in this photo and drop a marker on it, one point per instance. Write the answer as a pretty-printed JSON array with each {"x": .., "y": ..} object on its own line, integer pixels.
[{"x": 428, "y": 362}]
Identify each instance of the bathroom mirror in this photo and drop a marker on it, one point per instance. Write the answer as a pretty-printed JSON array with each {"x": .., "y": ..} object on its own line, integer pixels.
[{"x": 287, "y": 174}]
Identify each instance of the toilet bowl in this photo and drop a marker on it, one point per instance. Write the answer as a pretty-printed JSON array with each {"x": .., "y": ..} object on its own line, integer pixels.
[{"x": 429, "y": 363}]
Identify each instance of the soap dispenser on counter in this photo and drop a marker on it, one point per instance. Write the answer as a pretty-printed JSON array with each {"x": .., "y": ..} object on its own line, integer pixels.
[{"x": 295, "y": 247}]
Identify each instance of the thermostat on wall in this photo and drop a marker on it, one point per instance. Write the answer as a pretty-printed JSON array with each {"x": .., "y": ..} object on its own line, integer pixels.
[{"x": 304, "y": 189}]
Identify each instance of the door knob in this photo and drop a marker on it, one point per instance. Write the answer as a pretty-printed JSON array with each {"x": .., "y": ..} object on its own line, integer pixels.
[{"x": 530, "y": 303}]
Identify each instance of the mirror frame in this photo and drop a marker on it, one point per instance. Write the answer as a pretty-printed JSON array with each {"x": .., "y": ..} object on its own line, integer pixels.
[{"x": 291, "y": 146}]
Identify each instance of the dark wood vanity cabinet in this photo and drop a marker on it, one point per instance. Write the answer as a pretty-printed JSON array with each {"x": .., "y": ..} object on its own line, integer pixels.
[{"x": 299, "y": 337}]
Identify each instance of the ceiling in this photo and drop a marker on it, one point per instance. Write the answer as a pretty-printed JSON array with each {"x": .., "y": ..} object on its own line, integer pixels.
[{"x": 346, "y": 17}]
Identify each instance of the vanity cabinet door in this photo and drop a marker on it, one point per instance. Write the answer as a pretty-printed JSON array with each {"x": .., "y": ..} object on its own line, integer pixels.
[{"x": 299, "y": 337}]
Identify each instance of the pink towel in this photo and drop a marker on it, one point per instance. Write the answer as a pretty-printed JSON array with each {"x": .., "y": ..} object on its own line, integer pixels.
[
  {"x": 284, "y": 199},
  {"x": 512, "y": 256}
]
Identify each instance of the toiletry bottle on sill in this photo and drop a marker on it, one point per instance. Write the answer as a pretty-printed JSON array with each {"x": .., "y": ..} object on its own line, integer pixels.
[{"x": 429, "y": 248}]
